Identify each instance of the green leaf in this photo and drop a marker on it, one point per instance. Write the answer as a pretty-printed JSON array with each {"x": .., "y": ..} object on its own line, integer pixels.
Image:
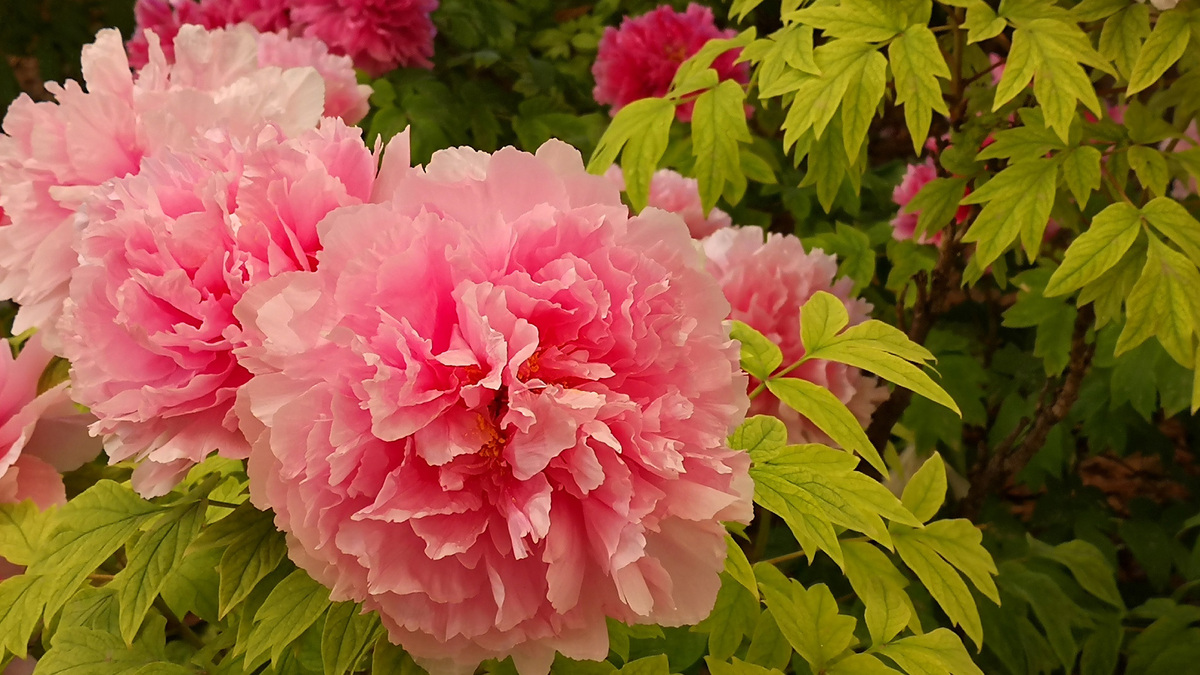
[
  {"x": 151, "y": 559},
  {"x": 940, "y": 579},
  {"x": 760, "y": 357},
  {"x": 828, "y": 414},
  {"x": 820, "y": 482},
  {"x": 917, "y": 63},
  {"x": 818, "y": 97},
  {"x": 1171, "y": 219},
  {"x": 1167, "y": 42},
  {"x": 860, "y": 664},
  {"x": 1151, "y": 168},
  {"x": 1094, "y": 10},
  {"x": 80, "y": 651},
  {"x": 1054, "y": 609},
  {"x": 789, "y": 56},
  {"x": 935, "y": 204},
  {"x": 761, "y": 433},
  {"x": 1081, "y": 170},
  {"x": 718, "y": 129},
  {"x": 888, "y": 366},
  {"x": 1102, "y": 649},
  {"x": 388, "y": 659},
  {"x": 651, "y": 665},
  {"x": 926, "y": 490},
  {"x": 738, "y": 566},
  {"x": 1030, "y": 141},
  {"x": 639, "y": 132},
  {"x": 251, "y": 555},
  {"x": 1049, "y": 51},
  {"x": 733, "y": 617},
  {"x": 982, "y": 22},
  {"x": 938, "y": 652},
  {"x": 880, "y": 586},
  {"x": 91, "y": 527},
  {"x": 21, "y": 600},
  {"x": 864, "y": 20},
  {"x": 768, "y": 647},
  {"x": 1122, "y": 36},
  {"x": 1163, "y": 303},
  {"x": 1098, "y": 250},
  {"x": 861, "y": 101},
  {"x": 23, "y": 531},
  {"x": 737, "y": 667},
  {"x": 1018, "y": 203},
  {"x": 347, "y": 633},
  {"x": 821, "y": 317},
  {"x": 1087, "y": 564},
  {"x": 294, "y": 605},
  {"x": 809, "y": 619}
]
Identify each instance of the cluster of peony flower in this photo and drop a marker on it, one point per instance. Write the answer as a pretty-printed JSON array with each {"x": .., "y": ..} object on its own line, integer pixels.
[
  {"x": 534, "y": 443},
  {"x": 377, "y": 35},
  {"x": 674, "y": 192},
  {"x": 640, "y": 59}
]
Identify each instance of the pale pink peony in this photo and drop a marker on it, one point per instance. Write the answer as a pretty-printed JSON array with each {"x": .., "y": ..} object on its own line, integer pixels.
[
  {"x": 56, "y": 154},
  {"x": 767, "y": 284},
  {"x": 344, "y": 96},
  {"x": 640, "y": 59},
  {"x": 674, "y": 192},
  {"x": 497, "y": 411},
  {"x": 40, "y": 435},
  {"x": 904, "y": 225},
  {"x": 149, "y": 327},
  {"x": 1162, "y": 4},
  {"x": 380, "y": 35}
]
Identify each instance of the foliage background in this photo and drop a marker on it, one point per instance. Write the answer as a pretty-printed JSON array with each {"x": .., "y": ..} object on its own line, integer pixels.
[{"x": 1075, "y": 458}]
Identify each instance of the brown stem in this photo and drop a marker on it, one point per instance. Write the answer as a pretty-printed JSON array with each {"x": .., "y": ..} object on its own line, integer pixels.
[
  {"x": 994, "y": 469},
  {"x": 930, "y": 303}
]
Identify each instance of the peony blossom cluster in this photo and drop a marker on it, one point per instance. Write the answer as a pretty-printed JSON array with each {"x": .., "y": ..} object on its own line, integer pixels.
[
  {"x": 166, "y": 254},
  {"x": 497, "y": 410},
  {"x": 640, "y": 59},
  {"x": 767, "y": 283},
  {"x": 674, "y": 192},
  {"x": 40, "y": 434},
  {"x": 55, "y": 155},
  {"x": 377, "y": 35}
]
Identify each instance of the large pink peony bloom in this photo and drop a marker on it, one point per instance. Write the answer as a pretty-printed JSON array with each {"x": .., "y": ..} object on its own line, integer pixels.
[
  {"x": 640, "y": 59},
  {"x": 149, "y": 327},
  {"x": 380, "y": 35},
  {"x": 40, "y": 435},
  {"x": 54, "y": 155},
  {"x": 497, "y": 411},
  {"x": 674, "y": 192},
  {"x": 767, "y": 284}
]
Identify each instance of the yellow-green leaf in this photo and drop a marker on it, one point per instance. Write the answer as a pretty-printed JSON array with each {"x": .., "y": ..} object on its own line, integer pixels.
[
  {"x": 926, "y": 490},
  {"x": 938, "y": 651},
  {"x": 1163, "y": 303},
  {"x": 1151, "y": 168},
  {"x": 1018, "y": 203},
  {"x": 828, "y": 414},
  {"x": 821, "y": 317},
  {"x": 917, "y": 63},
  {"x": 1122, "y": 36},
  {"x": 1167, "y": 42},
  {"x": 1081, "y": 170},
  {"x": 1096, "y": 251},
  {"x": 718, "y": 130}
]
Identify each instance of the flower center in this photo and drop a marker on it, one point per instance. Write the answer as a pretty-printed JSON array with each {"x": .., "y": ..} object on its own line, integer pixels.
[{"x": 495, "y": 441}]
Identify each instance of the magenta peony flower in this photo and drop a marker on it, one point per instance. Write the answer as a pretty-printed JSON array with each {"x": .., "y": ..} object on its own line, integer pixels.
[
  {"x": 40, "y": 435},
  {"x": 164, "y": 18},
  {"x": 904, "y": 225},
  {"x": 56, "y": 154},
  {"x": 380, "y": 35},
  {"x": 268, "y": 16},
  {"x": 640, "y": 59},
  {"x": 149, "y": 327},
  {"x": 674, "y": 192},
  {"x": 497, "y": 411},
  {"x": 767, "y": 284}
]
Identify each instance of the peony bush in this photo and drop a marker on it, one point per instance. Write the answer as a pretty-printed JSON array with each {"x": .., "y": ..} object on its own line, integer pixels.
[{"x": 449, "y": 337}]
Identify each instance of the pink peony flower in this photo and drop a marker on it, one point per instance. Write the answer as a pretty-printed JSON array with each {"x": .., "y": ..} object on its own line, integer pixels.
[
  {"x": 497, "y": 411},
  {"x": 674, "y": 192},
  {"x": 640, "y": 59},
  {"x": 904, "y": 225},
  {"x": 268, "y": 16},
  {"x": 380, "y": 35},
  {"x": 344, "y": 96},
  {"x": 767, "y": 284},
  {"x": 57, "y": 154},
  {"x": 149, "y": 327}
]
